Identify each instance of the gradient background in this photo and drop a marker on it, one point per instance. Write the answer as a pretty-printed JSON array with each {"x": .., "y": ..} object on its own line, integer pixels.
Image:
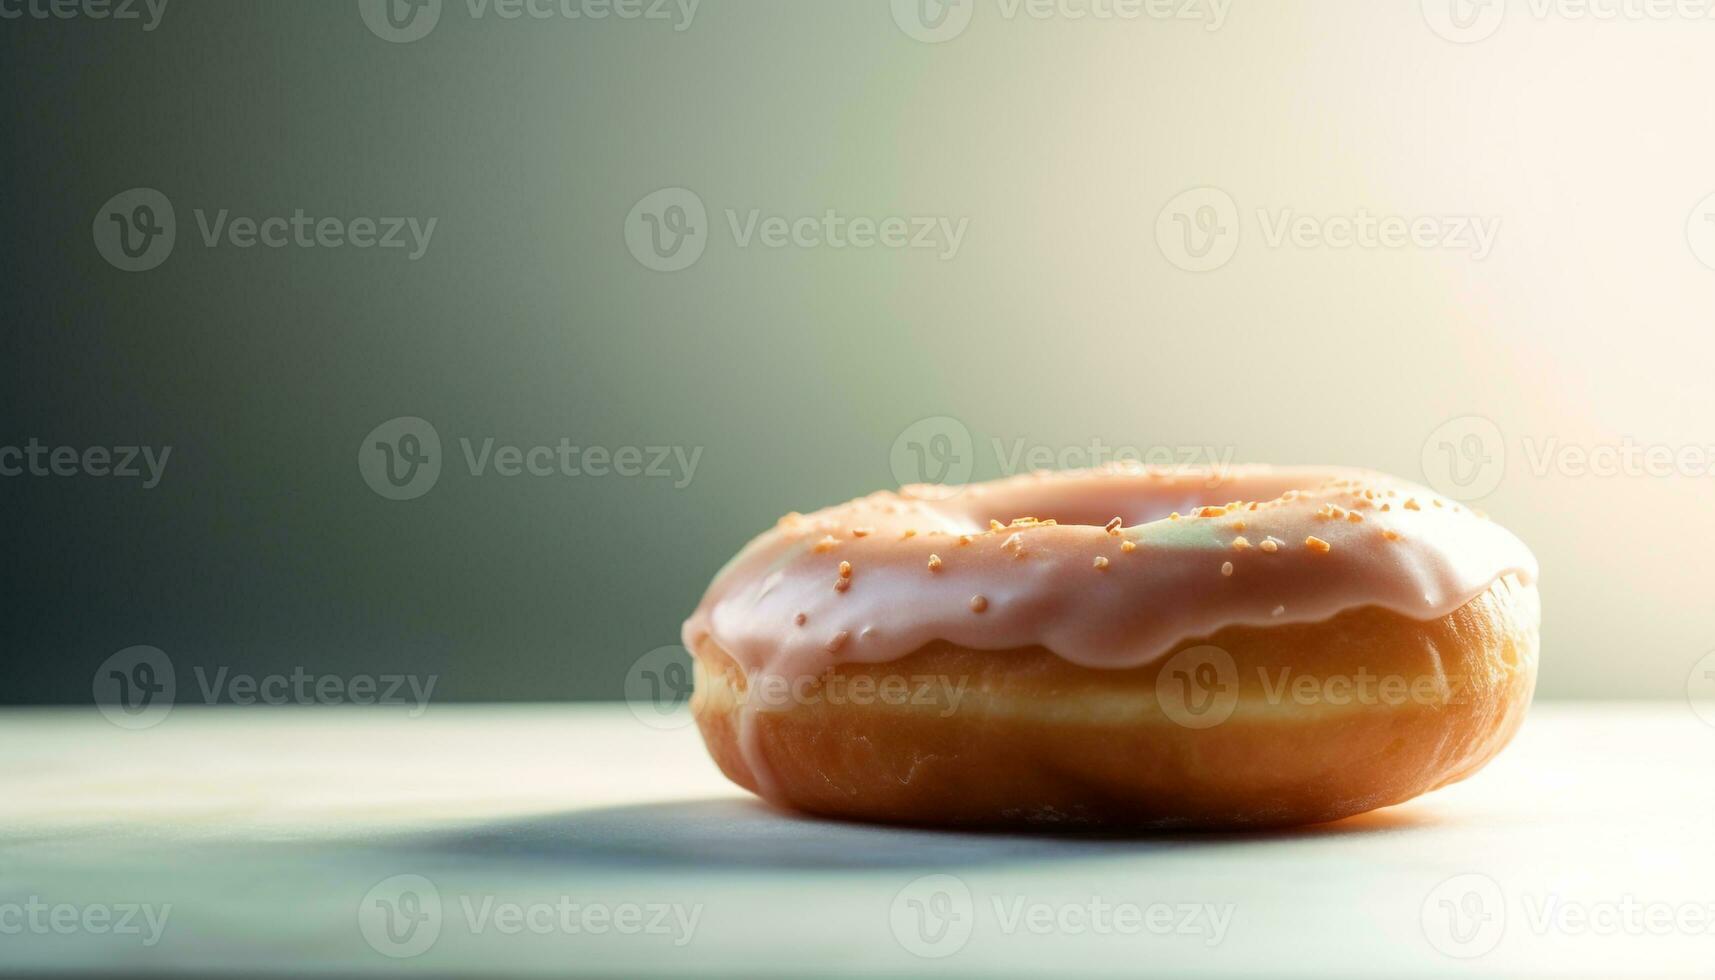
[{"x": 1060, "y": 321}]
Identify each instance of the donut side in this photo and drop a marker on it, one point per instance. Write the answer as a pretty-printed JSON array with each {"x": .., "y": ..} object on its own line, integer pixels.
[{"x": 1282, "y": 725}]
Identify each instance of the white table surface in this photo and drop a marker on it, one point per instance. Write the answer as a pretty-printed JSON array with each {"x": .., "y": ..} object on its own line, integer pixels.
[{"x": 275, "y": 835}]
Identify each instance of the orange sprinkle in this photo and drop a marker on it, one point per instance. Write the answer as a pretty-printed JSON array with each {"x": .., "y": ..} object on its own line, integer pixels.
[
  {"x": 862, "y": 532},
  {"x": 1355, "y": 517},
  {"x": 845, "y": 569},
  {"x": 1238, "y": 525},
  {"x": 934, "y": 563},
  {"x": 1240, "y": 543},
  {"x": 840, "y": 585},
  {"x": 827, "y": 543},
  {"x": 1211, "y": 512},
  {"x": 839, "y": 640},
  {"x": 964, "y": 539},
  {"x": 979, "y": 603},
  {"x": 1128, "y": 546},
  {"x": 995, "y": 525},
  {"x": 1101, "y": 563},
  {"x": 1391, "y": 535},
  {"x": 1316, "y": 544},
  {"x": 1411, "y": 504},
  {"x": 1270, "y": 545},
  {"x": 910, "y": 532}
]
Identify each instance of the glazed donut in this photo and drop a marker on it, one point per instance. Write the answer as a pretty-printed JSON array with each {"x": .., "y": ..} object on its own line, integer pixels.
[{"x": 1118, "y": 647}]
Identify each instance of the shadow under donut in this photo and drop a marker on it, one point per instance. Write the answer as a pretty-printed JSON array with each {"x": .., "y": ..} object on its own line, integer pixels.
[{"x": 744, "y": 834}]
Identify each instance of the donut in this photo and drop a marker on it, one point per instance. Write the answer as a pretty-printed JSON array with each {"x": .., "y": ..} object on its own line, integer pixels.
[{"x": 1124, "y": 647}]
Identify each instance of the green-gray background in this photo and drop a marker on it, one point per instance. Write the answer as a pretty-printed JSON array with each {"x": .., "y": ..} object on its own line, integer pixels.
[{"x": 1059, "y": 321}]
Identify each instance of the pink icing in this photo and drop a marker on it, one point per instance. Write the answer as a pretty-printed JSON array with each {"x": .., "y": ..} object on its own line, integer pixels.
[{"x": 777, "y": 607}]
